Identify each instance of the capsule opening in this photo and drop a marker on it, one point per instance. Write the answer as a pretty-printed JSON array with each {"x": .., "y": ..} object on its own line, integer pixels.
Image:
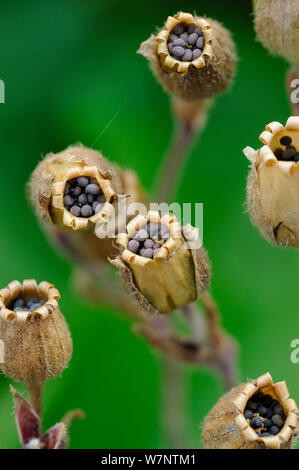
[
  {"x": 186, "y": 42},
  {"x": 83, "y": 196},
  {"x": 148, "y": 240},
  {"x": 265, "y": 414},
  {"x": 285, "y": 146},
  {"x": 26, "y": 304}
]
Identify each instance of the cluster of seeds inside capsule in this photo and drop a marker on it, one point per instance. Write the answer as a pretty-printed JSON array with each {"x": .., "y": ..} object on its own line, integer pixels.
[
  {"x": 30, "y": 305},
  {"x": 148, "y": 240},
  {"x": 264, "y": 414},
  {"x": 83, "y": 196},
  {"x": 289, "y": 153},
  {"x": 186, "y": 42}
]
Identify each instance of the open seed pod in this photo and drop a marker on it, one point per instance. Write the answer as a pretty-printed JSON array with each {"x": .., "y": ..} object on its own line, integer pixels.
[
  {"x": 273, "y": 183},
  {"x": 227, "y": 427},
  {"x": 36, "y": 339},
  {"x": 76, "y": 188},
  {"x": 276, "y": 24},
  {"x": 192, "y": 57},
  {"x": 162, "y": 263}
]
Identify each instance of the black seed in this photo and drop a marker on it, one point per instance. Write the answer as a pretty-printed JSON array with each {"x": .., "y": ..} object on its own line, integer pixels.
[
  {"x": 141, "y": 235},
  {"x": 269, "y": 413},
  {"x": 179, "y": 42},
  {"x": 18, "y": 303},
  {"x": 156, "y": 251},
  {"x": 191, "y": 28},
  {"x": 286, "y": 140},
  {"x": 248, "y": 414},
  {"x": 153, "y": 229},
  {"x": 92, "y": 189},
  {"x": 184, "y": 36},
  {"x": 264, "y": 434},
  {"x": 133, "y": 246},
  {"x": 251, "y": 405},
  {"x": 296, "y": 157},
  {"x": 76, "y": 211},
  {"x": 196, "y": 53},
  {"x": 31, "y": 301},
  {"x": 101, "y": 198},
  {"x": 82, "y": 199},
  {"x": 86, "y": 211},
  {"x": 68, "y": 200},
  {"x": 147, "y": 252},
  {"x": 172, "y": 37},
  {"x": 274, "y": 403},
  {"x": 34, "y": 307},
  {"x": 256, "y": 423},
  {"x": 90, "y": 198},
  {"x": 178, "y": 51},
  {"x": 262, "y": 411},
  {"x": 82, "y": 181},
  {"x": 67, "y": 188},
  {"x": 289, "y": 153},
  {"x": 278, "y": 410},
  {"x": 274, "y": 430},
  {"x": 148, "y": 243},
  {"x": 277, "y": 420},
  {"x": 278, "y": 153},
  {"x": 266, "y": 400},
  {"x": 77, "y": 191},
  {"x": 170, "y": 47},
  {"x": 187, "y": 57},
  {"x": 268, "y": 423},
  {"x": 192, "y": 38},
  {"x": 179, "y": 29},
  {"x": 200, "y": 42}
]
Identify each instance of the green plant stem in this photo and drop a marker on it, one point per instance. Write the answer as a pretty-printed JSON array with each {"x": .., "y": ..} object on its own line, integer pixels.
[
  {"x": 172, "y": 167},
  {"x": 35, "y": 393}
]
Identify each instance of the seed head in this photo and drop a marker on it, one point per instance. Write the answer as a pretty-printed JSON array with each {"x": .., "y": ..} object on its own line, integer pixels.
[
  {"x": 273, "y": 183},
  {"x": 157, "y": 267},
  {"x": 276, "y": 24},
  {"x": 36, "y": 339},
  {"x": 76, "y": 188},
  {"x": 238, "y": 420},
  {"x": 192, "y": 57}
]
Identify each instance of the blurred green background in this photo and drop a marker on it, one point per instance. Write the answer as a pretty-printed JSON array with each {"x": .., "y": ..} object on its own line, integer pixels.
[{"x": 68, "y": 67}]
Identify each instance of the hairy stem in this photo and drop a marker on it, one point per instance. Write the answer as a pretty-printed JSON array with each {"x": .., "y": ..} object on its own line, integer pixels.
[
  {"x": 174, "y": 403},
  {"x": 172, "y": 167},
  {"x": 35, "y": 393}
]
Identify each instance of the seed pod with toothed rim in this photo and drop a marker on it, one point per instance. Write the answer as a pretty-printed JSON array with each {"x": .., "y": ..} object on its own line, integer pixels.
[
  {"x": 37, "y": 343},
  {"x": 175, "y": 276},
  {"x": 273, "y": 183},
  {"x": 276, "y": 24},
  {"x": 48, "y": 183},
  {"x": 206, "y": 75},
  {"x": 225, "y": 427}
]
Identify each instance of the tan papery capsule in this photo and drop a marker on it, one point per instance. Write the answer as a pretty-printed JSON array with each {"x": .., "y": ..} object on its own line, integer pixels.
[
  {"x": 36, "y": 345},
  {"x": 204, "y": 76},
  {"x": 273, "y": 183},
  {"x": 177, "y": 274},
  {"x": 225, "y": 427},
  {"x": 48, "y": 183},
  {"x": 276, "y": 24}
]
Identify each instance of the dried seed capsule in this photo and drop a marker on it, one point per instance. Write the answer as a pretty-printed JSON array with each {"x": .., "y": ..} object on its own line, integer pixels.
[
  {"x": 172, "y": 273},
  {"x": 228, "y": 427},
  {"x": 37, "y": 342},
  {"x": 273, "y": 185},
  {"x": 276, "y": 24},
  {"x": 205, "y": 73}
]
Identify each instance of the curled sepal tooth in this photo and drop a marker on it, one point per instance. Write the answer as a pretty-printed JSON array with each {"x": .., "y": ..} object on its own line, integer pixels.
[
  {"x": 273, "y": 183},
  {"x": 227, "y": 427},
  {"x": 33, "y": 332},
  {"x": 29, "y": 427},
  {"x": 163, "y": 265},
  {"x": 276, "y": 24},
  {"x": 201, "y": 64},
  {"x": 97, "y": 179}
]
